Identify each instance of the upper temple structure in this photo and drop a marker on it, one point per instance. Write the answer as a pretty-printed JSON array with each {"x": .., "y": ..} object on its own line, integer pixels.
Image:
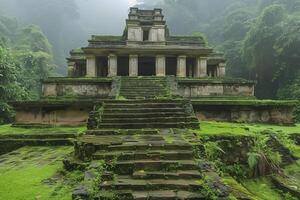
[
  {"x": 146, "y": 48},
  {"x": 147, "y": 78}
]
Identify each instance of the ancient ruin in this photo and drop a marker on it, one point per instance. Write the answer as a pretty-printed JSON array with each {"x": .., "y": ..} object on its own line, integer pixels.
[{"x": 140, "y": 95}]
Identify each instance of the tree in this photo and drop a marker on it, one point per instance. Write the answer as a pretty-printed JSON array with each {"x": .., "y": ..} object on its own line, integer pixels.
[
  {"x": 259, "y": 52},
  {"x": 10, "y": 87}
]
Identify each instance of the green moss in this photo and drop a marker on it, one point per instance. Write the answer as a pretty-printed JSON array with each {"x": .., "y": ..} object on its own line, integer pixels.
[
  {"x": 256, "y": 103},
  {"x": 76, "y": 51},
  {"x": 28, "y": 173},
  {"x": 262, "y": 189},
  {"x": 215, "y": 80},
  {"x": 226, "y": 128},
  {"x": 77, "y": 80},
  {"x": 237, "y": 190},
  {"x": 10, "y": 130}
]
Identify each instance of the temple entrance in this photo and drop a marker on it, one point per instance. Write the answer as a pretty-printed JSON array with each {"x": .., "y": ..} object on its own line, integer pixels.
[
  {"x": 146, "y": 66},
  {"x": 190, "y": 66},
  {"x": 102, "y": 66},
  {"x": 212, "y": 70},
  {"x": 123, "y": 66},
  {"x": 171, "y": 66},
  {"x": 80, "y": 69}
]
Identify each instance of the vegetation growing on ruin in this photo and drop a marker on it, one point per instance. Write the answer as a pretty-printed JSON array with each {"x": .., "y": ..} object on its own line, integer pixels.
[
  {"x": 36, "y": 173},
  {"x": 8, "y": 129}
]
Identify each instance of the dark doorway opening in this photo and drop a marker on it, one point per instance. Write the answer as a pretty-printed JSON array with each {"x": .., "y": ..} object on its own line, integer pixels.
[
  {"x": 212, "y": 70},
  {"x": 80, "y": 69},
  {"x": 102, "y": 66},
  {"x": 190, "y": 66},
  {"x": 171, "y": 66},
  {"x": 147, "y": 66},
  {"x": 123, "y": 66}
]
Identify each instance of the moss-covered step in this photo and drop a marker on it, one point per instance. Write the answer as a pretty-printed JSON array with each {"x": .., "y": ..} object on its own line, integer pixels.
[
  {"x": 126, "y": 183},
  {"x": 153, "y": 195},
  {"x": 179, "y": 174},
  {"x": 140, "y": 155}
]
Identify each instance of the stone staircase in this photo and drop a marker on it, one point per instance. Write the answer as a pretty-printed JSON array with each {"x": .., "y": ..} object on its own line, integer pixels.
[
  {"x": 144, "y": 166},
  {"x": 144, "y": 87},
  {"x": 148, "y": 113}
]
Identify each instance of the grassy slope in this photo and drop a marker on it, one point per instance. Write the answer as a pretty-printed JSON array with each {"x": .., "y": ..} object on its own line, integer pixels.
[
  {"x": 221, "y": 128},
  {"x": 8, "y": 130},
  {"x": 23, "y": 174}
]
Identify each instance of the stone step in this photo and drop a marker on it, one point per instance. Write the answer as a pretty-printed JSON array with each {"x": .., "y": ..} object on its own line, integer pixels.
[
  {"x": 143, "y": 155},
  {"x": 143, "y": 115},
  {"x": 142, "y": 105},
  {"x": 150, "y": 145},
  {"x": 191, "y": 125},
  {"x": 153, "y": 195},
  {"x": 145, "y": 93},
  {"x": 145, "y": 86},
  {"x": 142, "y": 110},
  {"x": 122, "y": 132},
  {"x": 129, "y": 167},
  {"x": 151, "y": 184},
  {"x": 149, "y": 120},
  {"x": 179, "y": 174}
]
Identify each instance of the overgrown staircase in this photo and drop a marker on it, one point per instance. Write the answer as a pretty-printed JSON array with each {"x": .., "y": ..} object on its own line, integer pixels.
[
  {"x": 142, "y": 165},
  {"x": 138, "y": 136},
  {"x": 136, "y": 114},
  {"x": 144, "y": 87}
]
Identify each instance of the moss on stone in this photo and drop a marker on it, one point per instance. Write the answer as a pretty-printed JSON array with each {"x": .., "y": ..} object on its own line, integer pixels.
[
  {"x": 215, "y": 80},
  {"x": 77, "y": 80},
  {"x": 255, "y": 103}
]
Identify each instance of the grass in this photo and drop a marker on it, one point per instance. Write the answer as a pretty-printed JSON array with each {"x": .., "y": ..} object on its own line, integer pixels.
[
  {"x": 262, "y": 189},
  {"x": 10, "y": 130},
  {"x": 226, "y": 128},
  {"x": 28, "y": 173}
]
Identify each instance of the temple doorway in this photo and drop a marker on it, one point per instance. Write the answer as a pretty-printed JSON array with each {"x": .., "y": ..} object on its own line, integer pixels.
[
  {"x": 146, "y": 66},
  {"x": 171, "y": 66},
  {"x": 123, "y": 66},
  {"x": 102, "y": 66},
  {"x": 190, "y": 66}
]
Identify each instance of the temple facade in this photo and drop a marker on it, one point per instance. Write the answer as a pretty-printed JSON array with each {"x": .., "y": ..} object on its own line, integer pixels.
[
  {"x": 145, "y": 66},
  {"x": 146, "y": 49}
]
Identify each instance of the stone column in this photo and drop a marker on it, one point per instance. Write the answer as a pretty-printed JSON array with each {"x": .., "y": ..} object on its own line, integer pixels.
[
  {"x": 91, "y": 66},
  {"x": 221, "y": 70},
  {"x": 133, "y": 65},
  {"x": 181, "y": 66},
  {"x": 71, "y": 69},
  {"x": 201, "y": 67},
  {"x": 112, "y": 65},
  {"x": 160, "y": 65}
]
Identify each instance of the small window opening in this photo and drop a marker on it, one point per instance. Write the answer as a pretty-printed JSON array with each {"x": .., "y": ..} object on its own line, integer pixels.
[{"x": 146, "y": 35}]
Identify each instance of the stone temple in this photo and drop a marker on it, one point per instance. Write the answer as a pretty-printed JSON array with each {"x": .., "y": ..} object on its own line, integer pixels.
[
  {"x": 147, "y": 64},
  {"x": 141, "y": 96}
]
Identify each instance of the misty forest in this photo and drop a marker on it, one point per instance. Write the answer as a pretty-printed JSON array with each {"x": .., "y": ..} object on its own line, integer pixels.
[{"x": 260, "y": 40}]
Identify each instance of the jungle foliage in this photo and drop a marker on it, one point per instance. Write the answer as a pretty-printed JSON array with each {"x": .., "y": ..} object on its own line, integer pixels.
[
  {"x": 260, "y": 38},
  {"x": 25, "y": 58}
]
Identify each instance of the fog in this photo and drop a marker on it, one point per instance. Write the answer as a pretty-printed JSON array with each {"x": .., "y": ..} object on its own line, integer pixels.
[{"x": 69, "y": 23}]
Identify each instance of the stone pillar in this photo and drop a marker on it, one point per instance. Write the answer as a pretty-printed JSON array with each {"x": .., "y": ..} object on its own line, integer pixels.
[
  {"x": 221, "y": 70},
  {"x": 91, "y": 66},
  {"x": 112, "y": 65},
  {"x": 181, "y": 66},
  {"x": 71, "y": 69},
  {"x": 201, "y": 67},
  {"x": 133, "y": 65},
  {"x": 160, "y": 65}
]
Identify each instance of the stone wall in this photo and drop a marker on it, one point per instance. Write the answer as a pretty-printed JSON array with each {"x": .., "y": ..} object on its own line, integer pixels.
[
  {"x": 76, "y": 89},
  {"x": 54, "y": 116},
  {"x": 244, "y": 113},
  {"x": 202, "y": 89}
]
